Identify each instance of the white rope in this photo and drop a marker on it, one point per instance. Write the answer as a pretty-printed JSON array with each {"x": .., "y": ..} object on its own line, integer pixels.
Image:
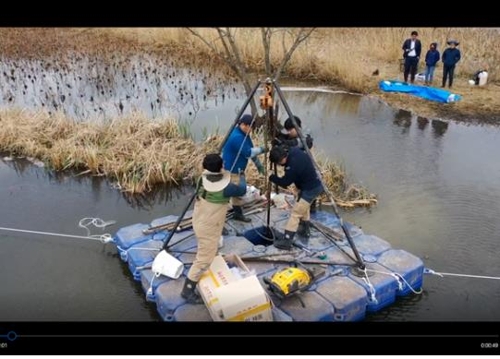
[
  {"x": 97, "y": 222},
  {"x": 400, "y": 279},
  {"x": 104, "y": 238},
  {"x": 373, "y": 298},
  {"x": 442, "y": 274},
  {"x": 149, "y": 292}
]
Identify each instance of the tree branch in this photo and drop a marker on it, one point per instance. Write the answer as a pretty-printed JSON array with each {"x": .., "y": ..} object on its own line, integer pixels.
[
  {"x": 266, "y": 42},
  {"x": 301, "y": 37}
]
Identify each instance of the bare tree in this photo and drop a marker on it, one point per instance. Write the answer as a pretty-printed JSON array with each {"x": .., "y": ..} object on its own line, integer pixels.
[{"x": 225, "y": 46}]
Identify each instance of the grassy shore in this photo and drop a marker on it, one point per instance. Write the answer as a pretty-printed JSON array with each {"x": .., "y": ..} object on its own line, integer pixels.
[{"x": 344, "y": 58}]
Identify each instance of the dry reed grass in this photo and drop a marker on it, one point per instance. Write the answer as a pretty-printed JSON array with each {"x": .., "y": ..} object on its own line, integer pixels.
[
  {"x": 139, "y": 153},
  {"x": 347, "y": 57},
  {"x": 135, "y": 153},
  {"x": 343, "y": 57}
]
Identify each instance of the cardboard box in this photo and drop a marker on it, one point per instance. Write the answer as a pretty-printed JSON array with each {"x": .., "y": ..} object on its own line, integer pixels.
[{"x": 230, "y": 298}]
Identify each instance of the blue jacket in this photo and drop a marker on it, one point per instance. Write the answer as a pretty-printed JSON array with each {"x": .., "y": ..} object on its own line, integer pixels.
[
  {"x": 451, "y": 56},
  {"x": 299, "y": 170},
  {"x": 231, "y": 148},
  {"x": 432, "y": 57}
]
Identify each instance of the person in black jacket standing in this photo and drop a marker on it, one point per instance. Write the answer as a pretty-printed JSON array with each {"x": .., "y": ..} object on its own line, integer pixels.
[
  {"x": 450, "y": 58},
  {"x": 412, "y": 48}
]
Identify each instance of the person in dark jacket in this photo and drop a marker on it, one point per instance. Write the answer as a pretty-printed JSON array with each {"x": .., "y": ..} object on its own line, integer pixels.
[
  {"x": 291, "y": 137},
  {"x": 412, "y": 48},
  {"x": 236, "y": 152},
  {"x": 431, "y": 59},
  {"x": 450, "y": 58},
  {"x": 209, "y": 215},
  {"x": 300, "y": 171}
]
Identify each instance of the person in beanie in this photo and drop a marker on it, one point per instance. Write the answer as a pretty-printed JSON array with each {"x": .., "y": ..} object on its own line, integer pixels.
[
  {"x": 290, "y": 138},
  {"x": 412, "y": 48},
  {"x": 236, "y": 152},
  {"x": 209, "y": 215},
  {"x": 299, "y": 170},
  {"x": 450, "y": 58},
  {"x": 431, "y": 59}
]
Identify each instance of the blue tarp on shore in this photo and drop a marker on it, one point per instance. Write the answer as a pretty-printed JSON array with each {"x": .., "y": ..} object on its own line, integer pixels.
[{"x": 425, "y": 92}]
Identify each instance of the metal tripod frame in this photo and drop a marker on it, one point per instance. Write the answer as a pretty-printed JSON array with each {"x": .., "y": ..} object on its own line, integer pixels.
[{"x": 360, "y": 262}]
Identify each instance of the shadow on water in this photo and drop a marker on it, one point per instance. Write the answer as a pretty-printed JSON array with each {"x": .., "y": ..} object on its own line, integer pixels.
[
  {"x": 439, "y": 127},
  {"x": 402, "y": 118},
  {"x": 422, "y": 122}
]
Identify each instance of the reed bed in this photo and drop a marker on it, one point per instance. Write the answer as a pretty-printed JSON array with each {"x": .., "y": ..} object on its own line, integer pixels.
[
  {"x": 345, "y": 58},
  {"x": 135, "y": 153},
  {"x": 335, "y": 55}
]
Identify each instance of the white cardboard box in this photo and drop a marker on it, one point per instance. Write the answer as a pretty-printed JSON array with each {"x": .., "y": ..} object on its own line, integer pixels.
[{"x": 229, "y": 298}]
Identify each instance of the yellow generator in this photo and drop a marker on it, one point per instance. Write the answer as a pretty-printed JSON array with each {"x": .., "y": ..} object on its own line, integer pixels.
[{"x": 291, "y": 280}]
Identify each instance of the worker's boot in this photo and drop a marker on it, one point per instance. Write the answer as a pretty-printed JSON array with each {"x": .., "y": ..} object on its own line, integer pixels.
[
  {"x": 284, "y": 241},
  {"x": 314, "y": 205},
  {"x": 239, "y": 216},
  {"x": 189, "y": 293},
  {"x": 304, "y": 229}
]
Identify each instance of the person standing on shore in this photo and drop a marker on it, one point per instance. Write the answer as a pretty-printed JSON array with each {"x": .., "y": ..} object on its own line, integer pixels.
[
  {"x": 450, "y": 58},
  {"x": 431, "y": 59},
  {"x": 412, "y": 48}
]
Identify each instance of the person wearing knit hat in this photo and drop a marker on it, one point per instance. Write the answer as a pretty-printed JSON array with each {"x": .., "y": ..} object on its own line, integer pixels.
[{"x": 209, "y": 215}]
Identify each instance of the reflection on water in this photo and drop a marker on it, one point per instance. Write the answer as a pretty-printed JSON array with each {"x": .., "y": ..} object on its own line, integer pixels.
[
  {"x": 402, "y": 118},
  {"x": 422, "y": 122},
  {"x": 438, "y": 193},
  {"x": 439, "y": 127}
]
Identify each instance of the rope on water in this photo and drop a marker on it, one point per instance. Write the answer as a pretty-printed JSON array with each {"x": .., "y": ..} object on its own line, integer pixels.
[
  {"x": 104, "y": 238},
  {"x": 442, "y": 274},
  {"x": 400, "y": 279}
]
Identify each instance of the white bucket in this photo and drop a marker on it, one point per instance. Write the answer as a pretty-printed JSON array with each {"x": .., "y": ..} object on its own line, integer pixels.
[
  {"x": 483, "y": 78},
  {"x": 167, "y": 265}
]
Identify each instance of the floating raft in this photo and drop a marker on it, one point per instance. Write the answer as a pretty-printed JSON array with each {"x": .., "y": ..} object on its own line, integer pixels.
[{"x": 343, "y": 293}]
